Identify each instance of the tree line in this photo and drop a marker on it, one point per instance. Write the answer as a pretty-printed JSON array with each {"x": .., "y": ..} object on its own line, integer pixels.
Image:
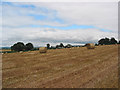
[
  {"x": 20, "y": 46},
  {"x": 107, "y": 41}
]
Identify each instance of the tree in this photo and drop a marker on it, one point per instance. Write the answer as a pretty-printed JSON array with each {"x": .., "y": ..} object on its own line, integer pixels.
[
  {"x": 106, "y": 41},
  {"x": 113, "y": 41},
  {"x": 52, "y": 47},
  {"x": 119, "y": 42},
  {"x": 48, "y": 46},
  {"x": 18, "y": 47},
  {"x": 96, "y": 44},
  {"x": 21, "y": 47},
  {"x": 61, "y": 45},
  {"x": 101, "y": 41},
  {"x": 68, "y": 46},
  {"x": 29, "y": 46},
  {"x": 57, "y": 46}
]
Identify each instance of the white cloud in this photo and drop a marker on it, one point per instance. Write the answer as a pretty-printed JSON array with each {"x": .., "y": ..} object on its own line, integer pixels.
[
  {"x": 17, "y": 16},
  {"x": 46, "y": 35},
  {"x": 60, "y": 0},
  {"x": 102, "y": 15}
]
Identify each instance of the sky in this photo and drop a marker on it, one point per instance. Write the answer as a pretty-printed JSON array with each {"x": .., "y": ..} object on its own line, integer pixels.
[{"x": 58, "y": 22}]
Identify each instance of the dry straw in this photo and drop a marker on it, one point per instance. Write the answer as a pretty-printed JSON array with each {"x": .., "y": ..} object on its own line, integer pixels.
[
  {"x": 90, "y": 45},
  {"x": 43, "y": 49}
]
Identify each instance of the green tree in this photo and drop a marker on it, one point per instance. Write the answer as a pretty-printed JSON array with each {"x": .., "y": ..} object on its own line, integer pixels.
[
  {"x": 113, "y": 41},
  {"x": 96, "y": 44},
  {"x": 18, "y": 47},
  {"x": 119, "y": 42},
  {"x": 57, "y": 46},
  {"x": 61, "y": 45},
  {"x": 68, "y": 46},
  {"x": 29, "y": 46},
  {"x": 106, "y": 41},
  {"x": 48, "y": 46},
  {"x": 101, "y": 41}
]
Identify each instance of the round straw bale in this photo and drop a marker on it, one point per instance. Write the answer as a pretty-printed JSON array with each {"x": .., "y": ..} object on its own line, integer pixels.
[
  {"x": 90, "y": 45},
  {"x": 43, "y": 49}
]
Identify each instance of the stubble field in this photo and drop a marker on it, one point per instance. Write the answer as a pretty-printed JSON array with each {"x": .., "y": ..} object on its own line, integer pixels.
[{"x": 62, "y": 68}]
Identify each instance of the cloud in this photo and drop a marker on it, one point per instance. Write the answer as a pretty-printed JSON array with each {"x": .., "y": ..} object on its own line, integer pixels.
[
  {"x": 21, "y": 15},
  {"x": 42, "y": 36},
  {"x": 60, "y": 0},
  {"x": 42, "y": 23},
  {"x": 102, "y": 15}
]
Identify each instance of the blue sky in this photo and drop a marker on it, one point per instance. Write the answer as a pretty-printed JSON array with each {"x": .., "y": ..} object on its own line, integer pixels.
[
  {"x": 63, "y": 22},
  {"x": 47, "y": 18}
]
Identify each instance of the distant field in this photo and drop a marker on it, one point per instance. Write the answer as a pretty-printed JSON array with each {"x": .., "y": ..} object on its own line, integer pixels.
[
  {"x": 3, "y": 50},
  {"x": 62, "y": 68}
]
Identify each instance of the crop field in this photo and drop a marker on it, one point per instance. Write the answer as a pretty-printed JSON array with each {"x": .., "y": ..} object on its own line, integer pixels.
[
  {"x": 3, "y": 50},
  {"x": 62, "y": 68}
]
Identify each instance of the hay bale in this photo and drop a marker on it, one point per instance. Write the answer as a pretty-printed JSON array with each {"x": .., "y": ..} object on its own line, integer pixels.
[
  {"x": 43, "y": 49},
  {"x": 21, "y": 52},
  {"x": 90, "y": 45}
]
